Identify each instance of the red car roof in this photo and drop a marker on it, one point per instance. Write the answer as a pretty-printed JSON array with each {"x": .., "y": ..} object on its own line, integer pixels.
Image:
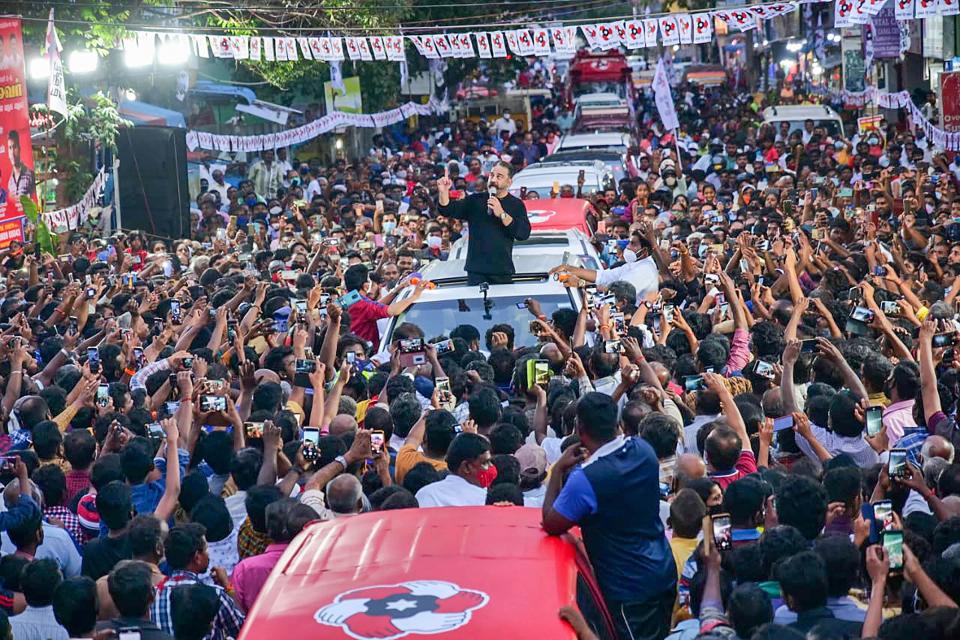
[
  {"x": 463, "y": 573},
  {"x": 605, "y": 67},
  {"x": 558, "y": 214}
]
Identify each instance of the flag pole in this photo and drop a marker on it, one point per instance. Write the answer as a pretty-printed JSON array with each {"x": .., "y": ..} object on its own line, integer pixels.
[{"x": 676, "y": 145}]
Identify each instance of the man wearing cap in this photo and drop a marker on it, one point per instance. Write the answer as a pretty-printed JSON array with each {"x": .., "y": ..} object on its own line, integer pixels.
[
  {"x": 496, "y": 220},
  {"x": 533, "y": 470}
]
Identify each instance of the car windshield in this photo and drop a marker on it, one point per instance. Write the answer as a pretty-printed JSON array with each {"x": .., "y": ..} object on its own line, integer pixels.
[
  {"x": 587, "y": 88},
  {"x": 832, "y": 127},
  {"x": 440, "y": 317},
  {"x": 543, "y": 187}
]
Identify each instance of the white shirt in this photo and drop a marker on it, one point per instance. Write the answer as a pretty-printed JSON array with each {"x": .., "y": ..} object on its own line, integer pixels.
[
  {"x": 642, "y": 274},
  {"x": 505, "y": 124},
  {"x": 690, "y": 432},
  {"x": 37, "y": 623},
  {"x": 452, "y": 491},
  {"x": 57, "y": 545},
  {"x": 237, "y": 506},
  {"x": 534, "y": 497}
]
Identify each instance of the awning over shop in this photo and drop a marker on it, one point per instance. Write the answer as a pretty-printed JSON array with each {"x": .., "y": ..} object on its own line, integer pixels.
[
  {"x": 150, "y": 114},
  {"x": 225, "y": 92},
  {"x": 269, "y": 111}
]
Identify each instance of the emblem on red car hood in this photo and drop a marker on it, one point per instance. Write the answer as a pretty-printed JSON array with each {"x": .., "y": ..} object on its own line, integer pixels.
[{"x": 385, "y": 612}]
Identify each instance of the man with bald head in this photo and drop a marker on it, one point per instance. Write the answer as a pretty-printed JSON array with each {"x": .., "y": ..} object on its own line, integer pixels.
[
  {"x": 345, "y": 495},
  {"x": 342, "y": 425},
  {"x": 937, "y": 447},
  {"x": 690, "y": 467}
]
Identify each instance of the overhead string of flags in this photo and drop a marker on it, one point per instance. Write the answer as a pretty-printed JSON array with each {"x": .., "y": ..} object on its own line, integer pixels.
[{"x": 668, "y": 30}]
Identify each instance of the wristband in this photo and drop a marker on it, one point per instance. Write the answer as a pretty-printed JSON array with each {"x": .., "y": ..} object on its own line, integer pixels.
[
  {"x": 130, "y": 372},
  {"x": 604, "y": 326},
  {"x": 542, "y": 317},
  {"x": 342, "y": 461}
]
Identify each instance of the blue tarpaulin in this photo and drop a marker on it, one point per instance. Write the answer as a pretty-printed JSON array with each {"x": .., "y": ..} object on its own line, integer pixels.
[
  {"x": 226, "y": 91},
  {"x": 145, "y": 113}
]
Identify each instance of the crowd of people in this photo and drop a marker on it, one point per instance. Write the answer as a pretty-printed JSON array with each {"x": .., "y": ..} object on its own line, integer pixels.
[{"x": 751, "y": 415}]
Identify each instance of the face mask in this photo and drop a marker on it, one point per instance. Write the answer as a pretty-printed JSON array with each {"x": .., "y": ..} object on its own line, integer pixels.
[
  {"x": 388, "y": 227},
  {"x": 702, "y": 250},
  {"x": 434, "y": 242},
  {"x": 671, "y": 181},
  {"x": 629, "y": 255},
  {"x": 251, "y": 200},
  {"x": 485, "y": 477},
  {"x": 295, "y": 182}
]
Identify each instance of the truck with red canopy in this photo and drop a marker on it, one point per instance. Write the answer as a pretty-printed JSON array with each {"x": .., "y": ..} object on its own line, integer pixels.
[
  {"x": 460, "y": 573},
  {"x": 603, "y": 72}
]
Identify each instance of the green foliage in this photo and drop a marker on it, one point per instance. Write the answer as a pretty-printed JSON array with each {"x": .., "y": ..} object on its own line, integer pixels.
[
  {"x": 48, "y": 242},
  {"x": 97, "y": 122}
]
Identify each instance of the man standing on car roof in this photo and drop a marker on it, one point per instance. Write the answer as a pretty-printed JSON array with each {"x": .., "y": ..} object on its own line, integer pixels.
[{"x": 495, "y": 219}]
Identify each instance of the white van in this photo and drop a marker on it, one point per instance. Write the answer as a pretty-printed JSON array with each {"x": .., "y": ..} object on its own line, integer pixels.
[{"x": 797, "y": 114}]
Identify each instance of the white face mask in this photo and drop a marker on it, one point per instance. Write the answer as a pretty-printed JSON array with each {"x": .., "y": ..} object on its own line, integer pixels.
[
  {"x": 629, "y": 255},
  {"x": 434, "y": 242}
]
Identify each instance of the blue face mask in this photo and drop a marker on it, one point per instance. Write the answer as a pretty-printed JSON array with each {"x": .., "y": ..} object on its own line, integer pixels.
[{"x": 702, "y": 250}]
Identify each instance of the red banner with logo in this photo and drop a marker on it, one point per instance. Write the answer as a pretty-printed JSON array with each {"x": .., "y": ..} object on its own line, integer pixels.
[
  {"x": 950, "y": 102},
  {"x": 16, "y": 154}
]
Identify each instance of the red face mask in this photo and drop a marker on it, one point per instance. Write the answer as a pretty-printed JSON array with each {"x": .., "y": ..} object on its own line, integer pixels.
[{"x": 485, "y": 477}]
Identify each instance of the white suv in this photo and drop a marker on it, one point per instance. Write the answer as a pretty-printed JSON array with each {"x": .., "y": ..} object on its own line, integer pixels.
[{"x": 453, "y": 302}]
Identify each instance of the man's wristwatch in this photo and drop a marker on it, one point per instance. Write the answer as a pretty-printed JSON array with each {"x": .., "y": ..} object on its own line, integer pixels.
[{"x": 342, "y": 461}]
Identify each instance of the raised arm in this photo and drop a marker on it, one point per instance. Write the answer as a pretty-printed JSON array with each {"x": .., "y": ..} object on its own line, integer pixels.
[
  {"x": 171, "y": 488},
  {"x": 716, "y": 384}
]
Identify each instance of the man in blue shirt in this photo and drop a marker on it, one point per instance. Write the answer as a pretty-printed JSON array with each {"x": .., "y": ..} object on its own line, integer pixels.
[{"x": 612, "y": 493}]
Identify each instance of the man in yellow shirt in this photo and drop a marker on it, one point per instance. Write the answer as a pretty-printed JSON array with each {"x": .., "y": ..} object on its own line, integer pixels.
[{"x": 432, "y": 433}]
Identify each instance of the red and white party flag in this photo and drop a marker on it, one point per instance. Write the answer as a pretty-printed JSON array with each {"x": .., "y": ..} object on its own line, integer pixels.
[
  {"x": 592, "y": 34},
  {"x": 220, "y": 45},
  {"x": 336, "y": 49},
  {"x": 541, "y": 42},
  {"x": 841, "y": 13},
  {"x": 512, "y": 42},
  {"x": 353, "y": 48},
  {"x": 669, "y": 33},
  {"x": 364, "y": 49},
  {"x": 442, "y": 44},
  {"x": 634, "y": 37},
  {"x": 498, "y": 45},
  {"x": 702, "y": 28},
  {"x": 466, "y": 45},
  {"x": 377, "y": 48},
  {"x": 483, "y": 44},
  {"x": 650, "y": 29},
  {"x": 927, "y": 8},
  {"x": 608, "y": 36},
  {"x": 305, "y": 51},
  {"x": 685, "y": 27}
]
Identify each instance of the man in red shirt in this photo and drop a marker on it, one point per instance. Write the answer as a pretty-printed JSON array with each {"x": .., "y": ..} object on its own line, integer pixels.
[
  {"x": 728, "y": 453},
  {"x": 365, "y": 313}
]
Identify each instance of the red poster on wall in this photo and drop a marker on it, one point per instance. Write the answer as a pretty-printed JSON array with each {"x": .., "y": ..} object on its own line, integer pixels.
[
  {"x": 16, "y": 154},
  {"x": 950, "y": 102}
]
